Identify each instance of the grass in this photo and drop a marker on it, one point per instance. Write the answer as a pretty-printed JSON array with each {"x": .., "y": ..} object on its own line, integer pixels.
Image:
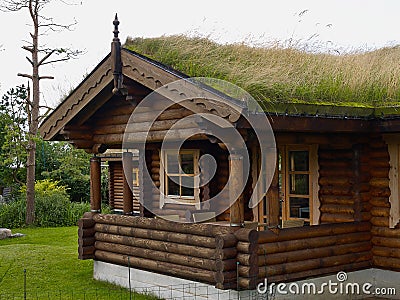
[
  {"x": 53, "y": 270},
  {"x": 275, "y": 73}
]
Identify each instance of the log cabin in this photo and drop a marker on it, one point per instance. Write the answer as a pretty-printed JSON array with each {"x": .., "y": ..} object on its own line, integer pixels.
[{"x": 332, "y": 203}]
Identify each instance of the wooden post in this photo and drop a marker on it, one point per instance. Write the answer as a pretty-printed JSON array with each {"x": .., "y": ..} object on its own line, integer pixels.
[
  {"x": 127, "y": 189},
  {"x": 273, "y": 198},
  {"x": 95, "y": 184},
  {"x": 235, "y": 185}
]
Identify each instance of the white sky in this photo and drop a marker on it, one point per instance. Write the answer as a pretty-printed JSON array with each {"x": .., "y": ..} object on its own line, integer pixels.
[{"x": 355, "y": 24}]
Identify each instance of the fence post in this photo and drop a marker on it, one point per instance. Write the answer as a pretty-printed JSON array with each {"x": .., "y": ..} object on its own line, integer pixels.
[{"x": 24, "y": 284}]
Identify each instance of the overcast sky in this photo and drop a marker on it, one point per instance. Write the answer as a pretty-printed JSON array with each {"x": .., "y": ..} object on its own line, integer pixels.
[{"x": 337, "y": 24}]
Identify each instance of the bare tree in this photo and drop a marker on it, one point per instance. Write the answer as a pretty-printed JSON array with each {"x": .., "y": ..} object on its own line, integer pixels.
[{"x": 39, "y": 55}]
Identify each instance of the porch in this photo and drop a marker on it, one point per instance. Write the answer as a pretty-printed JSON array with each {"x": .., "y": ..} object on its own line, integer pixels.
[{"x": 223, "y": 256}]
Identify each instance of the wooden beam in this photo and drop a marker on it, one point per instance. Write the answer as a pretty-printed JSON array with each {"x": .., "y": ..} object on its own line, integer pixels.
[
  {"x": 127, "y": 175},
  {"x": 235, "y": 185},
  {"x": 95, "y": 184}
]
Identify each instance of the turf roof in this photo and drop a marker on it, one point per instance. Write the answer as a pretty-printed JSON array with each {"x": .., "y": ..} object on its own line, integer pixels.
[{"x": 363, "y": 84}]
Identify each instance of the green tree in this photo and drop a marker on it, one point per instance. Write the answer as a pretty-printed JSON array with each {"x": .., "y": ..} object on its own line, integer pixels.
[
  {"x": 61, "y": 162},
  {"x": 39, "y": 55},
  {"x": 13, "y": 138}
]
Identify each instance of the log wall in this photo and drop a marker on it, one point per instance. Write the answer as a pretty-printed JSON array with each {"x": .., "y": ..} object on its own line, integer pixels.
[
  {"x": 201, "y": 252},
  {"x": 297, "y": 253},
  {"x": 343, "y": 181},
  {"x": 385, "y": 241}
]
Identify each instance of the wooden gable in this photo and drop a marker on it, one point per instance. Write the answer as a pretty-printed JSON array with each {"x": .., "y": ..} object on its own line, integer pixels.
[{"x": 92, "y": 116}]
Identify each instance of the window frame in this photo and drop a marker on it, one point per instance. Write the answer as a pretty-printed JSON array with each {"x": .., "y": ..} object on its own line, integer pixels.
[
  {"x": 313, "y": 177},
  {"x": 174, "y": 199}
]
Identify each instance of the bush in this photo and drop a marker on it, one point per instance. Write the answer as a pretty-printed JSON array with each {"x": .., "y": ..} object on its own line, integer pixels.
[{"x": 52, "y": 207}]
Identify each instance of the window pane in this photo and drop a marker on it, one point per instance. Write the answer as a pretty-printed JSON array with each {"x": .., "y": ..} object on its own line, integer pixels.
[
  {"x": 187, "y": 186},
  {"x": 187, "y": 163},
  {"x": 173, "y": 186},
  {"x": 172, "y": 164},
  {"x": 299, "y": 207},
  {"x": 299, "y": 184},
  {"x": 298, "y": 160}
]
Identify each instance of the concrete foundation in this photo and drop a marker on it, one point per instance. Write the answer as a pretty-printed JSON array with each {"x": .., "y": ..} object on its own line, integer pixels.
[{"x": 365, "y": 284}]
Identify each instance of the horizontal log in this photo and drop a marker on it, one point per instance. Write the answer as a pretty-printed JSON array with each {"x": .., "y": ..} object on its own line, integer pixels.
[
  {"x": 386, "y": 242},
  {"x": 380, "y": 221},
  {"x": 335, "y": 172},
  {"x": 379, "y": 163},
  {"x": 334, "y": 155},
  {"x": 379, "y": 172},
  {"x": 185, "y": 260},
  {"x": 380, "y": 211},
  {"x": 151, "y": 136},
  {"x": 380, "y": 201},
  {"x": 337, "y": 181},
  {"x": 247, "y": 235},
  {"x": 386, "y": 251},
  {"x": 85, "y": 257},
  {"x": 339, "y": 200},
  {"x": 85, "y": 223},
  {"x": 225, "y": 241},
  {"x": 336, "y": 191},
  {"x": 167, "y": 236},
  {"x": 160, "y": 224},
  {"x": 314, "y": 242},
  {"x": 190, "y": 273},
  {"x": 380, "y": 192},
  {"x": 312, "y": 231},
  {"x": 349, "y": 267},
  {"x": 336, "y": 218},
  {"x": 385, "y": 232},
  {"x": 246, "y": 247},
  {"x": 379, "y": 182},
  {"x": 299, "y": 255},
  {"x": 309, "y": 264},
  {"x": 337, "y": 209},
  {"x": 170, "y": 247},
  {"x": 390, "y": 263}
]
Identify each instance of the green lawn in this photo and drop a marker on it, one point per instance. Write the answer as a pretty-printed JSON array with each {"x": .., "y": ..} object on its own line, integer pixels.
[{"x": 53, "y": 271}]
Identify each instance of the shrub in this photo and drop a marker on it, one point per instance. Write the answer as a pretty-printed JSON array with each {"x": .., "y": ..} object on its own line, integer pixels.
[{"x": 52, "y": 207}]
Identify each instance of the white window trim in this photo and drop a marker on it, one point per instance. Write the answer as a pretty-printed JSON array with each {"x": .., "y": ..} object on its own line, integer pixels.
[
  {"x": 393, "y": 142},
  {"x": 184, "y": 200}
]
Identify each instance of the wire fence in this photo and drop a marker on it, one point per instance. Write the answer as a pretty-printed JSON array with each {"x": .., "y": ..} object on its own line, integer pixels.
[{"x": 198, "y": 291}]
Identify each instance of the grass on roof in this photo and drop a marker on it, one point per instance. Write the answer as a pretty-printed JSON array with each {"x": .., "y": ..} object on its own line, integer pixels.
[{"x": 276, "y": 74}]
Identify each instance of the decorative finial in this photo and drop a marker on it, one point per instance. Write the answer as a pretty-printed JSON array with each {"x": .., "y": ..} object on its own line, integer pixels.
[
  {"x": 116, "y": 31},
  {"x": 116, "y": 61}
]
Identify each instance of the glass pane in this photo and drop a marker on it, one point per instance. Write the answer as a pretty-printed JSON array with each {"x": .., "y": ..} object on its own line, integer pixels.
[
  {"x": 299, "y": 207},
  {"x": 172, "y": 163},
  {"x": 187, "y": 186},
  {"x": 134, "y": 177},
  {"x": 299, "y": 184},
  {"x": 187, "y": 163},
  {"x": 173, "y": 186},
  {"x": 298, "y": 160}
]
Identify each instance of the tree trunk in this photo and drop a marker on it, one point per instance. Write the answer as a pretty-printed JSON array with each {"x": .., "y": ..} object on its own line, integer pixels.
[{"x": 33, "y": 120}]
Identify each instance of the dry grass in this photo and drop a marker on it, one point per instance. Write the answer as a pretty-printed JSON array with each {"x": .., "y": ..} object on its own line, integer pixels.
[{"x": 276, "y": 73}]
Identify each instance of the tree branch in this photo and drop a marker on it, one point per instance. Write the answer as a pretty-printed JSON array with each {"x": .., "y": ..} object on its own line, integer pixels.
[
  {"x": 46, "y": 77},
  {"x": 25, "y": 75},
  {"x": 45, "y": 57}
]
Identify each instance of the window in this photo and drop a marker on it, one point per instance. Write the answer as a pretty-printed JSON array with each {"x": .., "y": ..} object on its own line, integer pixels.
[
  {"x": 298, "y": 183},
  {"x": 135, "y": 177},
  {"x": 179, "y": 181}
]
